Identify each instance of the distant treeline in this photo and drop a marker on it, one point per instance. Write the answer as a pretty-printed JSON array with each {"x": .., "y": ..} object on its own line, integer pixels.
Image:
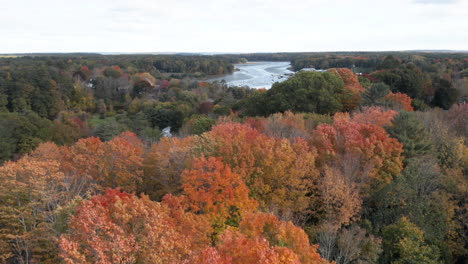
[
  {"x": 203, "y": 65},
  {"x": 369, "y": 60}
]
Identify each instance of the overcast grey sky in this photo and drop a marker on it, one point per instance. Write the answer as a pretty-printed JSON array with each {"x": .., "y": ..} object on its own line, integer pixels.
[{"x": 231, "y": 25}]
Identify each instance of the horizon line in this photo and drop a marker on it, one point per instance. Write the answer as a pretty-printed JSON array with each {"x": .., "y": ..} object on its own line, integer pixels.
[{"x": 227, "y": 53}]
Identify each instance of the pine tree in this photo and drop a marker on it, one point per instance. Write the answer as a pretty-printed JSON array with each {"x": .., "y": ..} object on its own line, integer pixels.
[
  {"x": 411, "y": 132},
  {"x": 374, "y": 95}
]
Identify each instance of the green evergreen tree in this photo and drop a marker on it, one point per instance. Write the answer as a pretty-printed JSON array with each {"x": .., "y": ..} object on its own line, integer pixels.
[
  {"x": 445, "y": 95},
  {"x": 419, "y": 195},
  {"x": 374, "y": 95},
  {"x": 411, "y": 133},
  {"x": 404, "y": 244}
]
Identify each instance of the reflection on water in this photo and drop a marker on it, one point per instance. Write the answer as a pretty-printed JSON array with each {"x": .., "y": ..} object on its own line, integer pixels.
[{"x": 257, "y": 74}]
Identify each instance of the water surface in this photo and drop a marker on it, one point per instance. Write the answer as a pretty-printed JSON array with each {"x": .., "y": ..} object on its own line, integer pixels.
[{"x": 257, "y": 74}]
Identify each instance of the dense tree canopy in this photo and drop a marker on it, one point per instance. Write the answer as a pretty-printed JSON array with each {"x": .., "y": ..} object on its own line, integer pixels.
[
  {"x": 304, "y": 92},
  {"x": 346, "y": 165}
]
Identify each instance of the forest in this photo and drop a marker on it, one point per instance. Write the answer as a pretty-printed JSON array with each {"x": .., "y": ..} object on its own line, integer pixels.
[{"x": 366, "y": 162}]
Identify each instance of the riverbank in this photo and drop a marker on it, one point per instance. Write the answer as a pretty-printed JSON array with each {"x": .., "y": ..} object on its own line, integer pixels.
[{"x": 261, "y": 74}]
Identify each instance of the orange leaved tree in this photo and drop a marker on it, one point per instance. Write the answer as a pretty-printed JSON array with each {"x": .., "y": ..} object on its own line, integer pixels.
[
  {"x": 116, "y": 163},
  {"x": 279, "y": 172},
  {"x": 212, "y": 188},
  {"x": 118, "y": 227},
  {"x": 400, "y": 101},
  {"x": 374, "y": 115},
  {"x": 262, "y": 238},
  {"x": 364, "y": 153},
  {"x": 351, "y": 97}
]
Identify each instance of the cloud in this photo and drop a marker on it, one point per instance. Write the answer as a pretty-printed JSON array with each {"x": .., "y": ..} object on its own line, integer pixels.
[
  {"x": 438, "y": 2},
  {"x": 232, "y": 25}
]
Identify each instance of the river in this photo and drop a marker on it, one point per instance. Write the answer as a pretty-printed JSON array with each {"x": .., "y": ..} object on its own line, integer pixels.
[{"x": 257, "y": 74}]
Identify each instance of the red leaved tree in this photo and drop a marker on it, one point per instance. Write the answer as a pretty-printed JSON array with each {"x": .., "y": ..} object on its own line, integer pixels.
[
  {"x": 364, "y": 153},
  {"x": 351, "y": 97},
  {"x": 118, "y": 227},
  {"x": 400, "y": 101},
  {"x": 116, "y": 163},
  {"x": 374, "y": 115}
]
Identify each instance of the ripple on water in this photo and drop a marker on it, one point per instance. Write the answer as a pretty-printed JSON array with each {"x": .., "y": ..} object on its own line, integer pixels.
[{"x": 257, "y": 75}]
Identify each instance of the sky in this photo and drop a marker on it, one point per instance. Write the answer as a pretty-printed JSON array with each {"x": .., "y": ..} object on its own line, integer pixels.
[{"x": 232, "y": 26}]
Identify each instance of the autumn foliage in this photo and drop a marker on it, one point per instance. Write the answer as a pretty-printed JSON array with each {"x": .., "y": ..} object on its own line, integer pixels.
[
  {"x": 349, "y": 78},
  {"x": 281, "y": 125},
  {"x": 30, "y": 190},
  {"x": 340, "y": 198},
  {"x": 239, "y": 193},
  {"x": 144, "y": 78},
  {"x": 280, "y": 234},
  {"x": 400, "y": 101},
  {"x": 279, "y": 172},
  {"x": 363, "y": 152},
  {"x": 326, "y": 166},
  {"x": 353, "y": 88},
  {"x": 374, "y": 115},
  {"x": 116, "y": 163},
  {"x": 163, "y": 165},
  {"x": 118, "y": 227},
  {"x": 212, "y": 188},
  {"x": 236, "y": 247},
  {"x": 262, "y": 238}
]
